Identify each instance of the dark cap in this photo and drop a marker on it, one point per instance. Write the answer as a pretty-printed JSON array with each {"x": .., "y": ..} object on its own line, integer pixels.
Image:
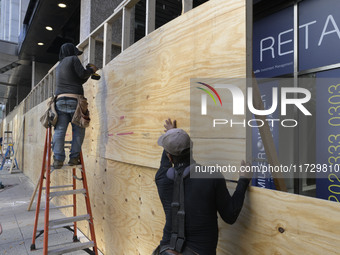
[{"x": 175, "y": 141}]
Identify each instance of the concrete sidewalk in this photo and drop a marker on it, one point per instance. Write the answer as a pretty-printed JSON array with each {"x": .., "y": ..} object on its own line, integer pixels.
[{"x": 17, "y": 223}]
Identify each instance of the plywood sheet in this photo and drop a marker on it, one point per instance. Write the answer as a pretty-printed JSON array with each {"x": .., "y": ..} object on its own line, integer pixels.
[
  {"x": 34, "y": 140},
  {"x": 307, "y": 225},
  {"x": 129, "y": 217},
  {"x": 146, "y": 84},
  {"x": 127, "y": 213},
  {"x": 224, "y": 153},
  {"x": 150, "y": 81}
]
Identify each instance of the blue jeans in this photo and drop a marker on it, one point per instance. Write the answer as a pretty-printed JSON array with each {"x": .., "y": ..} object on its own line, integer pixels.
[{"x": 65, "y": 108}]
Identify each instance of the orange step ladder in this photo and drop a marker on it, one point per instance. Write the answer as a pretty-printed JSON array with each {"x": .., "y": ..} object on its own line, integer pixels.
[{"x": 67, "y": 222}]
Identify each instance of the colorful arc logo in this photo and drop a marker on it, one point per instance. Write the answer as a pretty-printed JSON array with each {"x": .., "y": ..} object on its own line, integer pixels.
[{"x": 209, "y": 93}]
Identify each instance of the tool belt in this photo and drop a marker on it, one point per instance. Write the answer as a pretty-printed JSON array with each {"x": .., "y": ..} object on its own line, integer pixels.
[
  {"x": 81, "y": 116},
  {"x": 50, "y": 117}
]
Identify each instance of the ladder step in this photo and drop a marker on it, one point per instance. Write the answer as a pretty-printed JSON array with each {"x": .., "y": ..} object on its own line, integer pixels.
[
  {"x": 71, "y": 248},
  {"x": 59, "y": 187},
  {"x": 68, "y": 220},
  {"x": 58, "y": 207},
  {"x": 68, "y": 167},
  {"x": 67, "y": 192},
  {"x": 56, "y": 227}
]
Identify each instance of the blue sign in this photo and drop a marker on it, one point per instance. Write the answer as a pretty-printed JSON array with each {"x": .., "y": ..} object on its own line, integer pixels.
[
  {"x": 265, "y": 179},
  {"x": 273, "y": 44},
  {"x": 319, "y": 33},
  {"x": 328, "y": 134},
  {"x": 319, "y": 39}
]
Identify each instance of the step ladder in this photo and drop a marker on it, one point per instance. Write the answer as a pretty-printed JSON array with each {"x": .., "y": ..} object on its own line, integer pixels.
[
  {"x": 7, "y": 147},
  {"x": 67, "y": 222},
  {"x": 8, "y": 156},
  {"x": 7, "y": 139}
]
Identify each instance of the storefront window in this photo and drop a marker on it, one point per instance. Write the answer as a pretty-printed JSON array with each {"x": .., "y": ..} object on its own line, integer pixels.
[{"x": 312, "y": 146}]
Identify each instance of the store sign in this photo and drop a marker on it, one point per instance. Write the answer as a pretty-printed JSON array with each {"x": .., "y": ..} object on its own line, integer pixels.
[
  {"x": 319, "y": 37},
  {"x": 319, "y": 34},
  {"x": 273, "y": 44}
]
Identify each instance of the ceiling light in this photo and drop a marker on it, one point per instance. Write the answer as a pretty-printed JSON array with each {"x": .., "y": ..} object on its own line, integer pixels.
[
  {"x": 40, "y": 43},
  {"x": 49, "y": 28},
  {"x": 62, "y": 5}
]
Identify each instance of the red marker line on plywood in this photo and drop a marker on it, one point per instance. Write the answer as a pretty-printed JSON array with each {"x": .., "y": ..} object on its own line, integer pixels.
[{"x": 127, "y": 133}]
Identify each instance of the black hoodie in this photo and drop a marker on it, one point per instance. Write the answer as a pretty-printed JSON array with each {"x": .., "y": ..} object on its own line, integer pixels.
[
  {"x": 203, "y": 198},
  {"x": 70, "y": 73}
]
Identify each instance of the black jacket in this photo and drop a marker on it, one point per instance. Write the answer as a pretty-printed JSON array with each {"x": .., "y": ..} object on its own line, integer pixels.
[
  {"x": 203, "y": 199},
  {"x": 70, "y": 73}
]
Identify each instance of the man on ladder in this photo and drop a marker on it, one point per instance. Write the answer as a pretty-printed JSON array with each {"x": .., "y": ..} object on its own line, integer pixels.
[{"x": 70, "y": 75}]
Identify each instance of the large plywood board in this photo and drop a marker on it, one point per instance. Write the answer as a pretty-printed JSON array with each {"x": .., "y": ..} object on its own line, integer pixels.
[
  {"x": 129, "y": 217},
  {"x": 150, "y": 81},
  {"x": 273, "y": 222},
  {"x": 146, "y": 84},
  {"x": 34, "y": 139}
]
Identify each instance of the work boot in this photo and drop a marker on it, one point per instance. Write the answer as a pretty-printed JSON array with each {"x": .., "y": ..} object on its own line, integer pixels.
[
  {"x": 57, "y": 164},
  {"x": 74, "y": 161}
]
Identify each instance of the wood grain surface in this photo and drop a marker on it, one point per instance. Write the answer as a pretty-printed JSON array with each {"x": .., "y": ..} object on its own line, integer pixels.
[
  {"x": 150, "y": 81},
  {"x": 143, "y": 86}
]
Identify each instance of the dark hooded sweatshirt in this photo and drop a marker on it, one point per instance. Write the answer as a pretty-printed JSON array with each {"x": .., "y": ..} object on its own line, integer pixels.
[
  {"x": 203, "y": 198},
  {"x": 70, "y": 73}
]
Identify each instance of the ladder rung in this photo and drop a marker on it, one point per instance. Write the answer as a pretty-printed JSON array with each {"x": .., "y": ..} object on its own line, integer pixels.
[
  {"x": 67, "y": 192},
  {"x": 56, "y": 227},
  {"x": 58, "y": 207},
  {"x": 68, "y": 220},
  {"x": 71, "y": 248},
  {"x": 67, "y": 167},
  {"x": 59, "y": 187}
]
